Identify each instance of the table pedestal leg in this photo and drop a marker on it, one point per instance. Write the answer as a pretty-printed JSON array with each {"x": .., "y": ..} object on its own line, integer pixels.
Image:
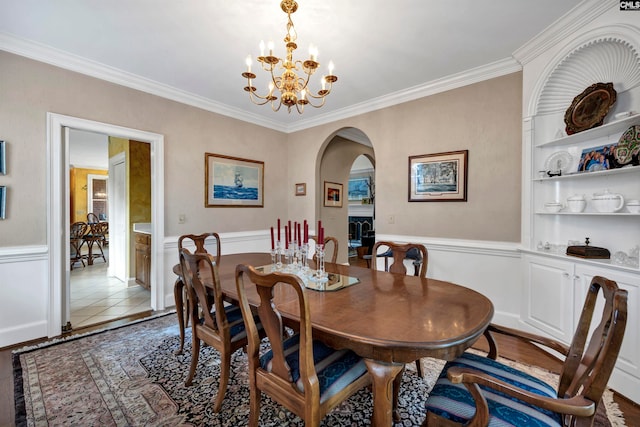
[
  {"x": 383, "y": 375},
  {"x": 178, "y": 289}
]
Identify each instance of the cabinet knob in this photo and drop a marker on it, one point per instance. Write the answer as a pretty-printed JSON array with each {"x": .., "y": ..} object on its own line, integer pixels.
[{"x": 565, "y": 274}]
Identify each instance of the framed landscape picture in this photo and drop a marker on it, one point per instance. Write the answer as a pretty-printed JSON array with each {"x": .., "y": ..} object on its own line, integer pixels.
[
  {"x": 440, "y": 177},
  {"x": 358, "y": 189},
  {"x": 332, "y": 194},
  {"x": 233, "y": 182}
]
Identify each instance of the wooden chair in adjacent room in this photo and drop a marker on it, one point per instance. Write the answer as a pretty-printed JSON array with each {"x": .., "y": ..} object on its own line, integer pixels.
[
  {"x": 398, "y": 252},
  {"x": 287, "y": 372},
  {"x": 76, "y": 242},
  {"x": 199, "y": 243},
  {"x": 504, "y": 395},
  {"x": 330, "y": 245},
  {"x": 96, "y": 238},
  {"x": 221, "y": 326}
]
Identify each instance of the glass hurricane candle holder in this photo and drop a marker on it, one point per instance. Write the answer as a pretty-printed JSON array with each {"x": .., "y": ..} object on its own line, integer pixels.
[
  {"x": 304, "y": 253},
  {"x": 320, "y": 273},
  {"x": 278, "y": 255}
]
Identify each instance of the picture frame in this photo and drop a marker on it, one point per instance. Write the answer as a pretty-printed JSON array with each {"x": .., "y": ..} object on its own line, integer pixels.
[
  {"x": 359, "y": 189},
  {"x": 600, "y": 158},
  {"x": 333, "y": 194},
  {"x": 301, "y": 189},
  {"x": 3, "y": 201},
  {"x": 233, "y": 181},
  {"x": 3, "y": 159},
  {"x": 438, "y": 177}
]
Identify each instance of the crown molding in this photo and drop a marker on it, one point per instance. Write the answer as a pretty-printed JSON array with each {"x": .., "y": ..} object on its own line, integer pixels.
[
  {"x": 65, "y": 60},
  {"x": 454, "y": 81},
  {"x": 570, "y": 23}
]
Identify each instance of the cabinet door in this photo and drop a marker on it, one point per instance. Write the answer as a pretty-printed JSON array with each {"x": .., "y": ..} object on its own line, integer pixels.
[
  {"x": 629, "y": 357},
  {"x": 549, "y": 301}
]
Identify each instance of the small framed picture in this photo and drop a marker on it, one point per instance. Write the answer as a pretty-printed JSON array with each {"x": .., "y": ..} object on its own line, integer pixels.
[
  {"x": 439, "y": 177},
  {"x": 3, "y": 161},
  {"x": 3, "y": 201},
  {"x": 301, "y": 189},
  {"x": 332, "y": 194}
]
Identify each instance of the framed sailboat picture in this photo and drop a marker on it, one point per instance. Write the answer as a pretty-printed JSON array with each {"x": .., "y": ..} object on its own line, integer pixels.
[{"x": 233, "y": 182}]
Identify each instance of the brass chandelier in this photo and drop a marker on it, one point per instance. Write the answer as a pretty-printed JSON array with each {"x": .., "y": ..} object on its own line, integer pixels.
[{"x": 293, "y": 89}]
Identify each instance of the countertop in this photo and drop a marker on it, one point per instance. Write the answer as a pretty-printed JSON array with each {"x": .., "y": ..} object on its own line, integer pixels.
[{"x": 142, "y": 227}]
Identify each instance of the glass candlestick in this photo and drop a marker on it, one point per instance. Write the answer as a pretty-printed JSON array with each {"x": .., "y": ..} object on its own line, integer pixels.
[
  {"x": 278, "y": 255},
  {"x": 320, "y": 273},
  {"x": 274, "y": 253},
  {"x": 304, "y": 253}
]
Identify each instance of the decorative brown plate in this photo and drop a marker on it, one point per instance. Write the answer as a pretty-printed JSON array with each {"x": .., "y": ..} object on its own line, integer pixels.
[{"x": 589, "y": 109}]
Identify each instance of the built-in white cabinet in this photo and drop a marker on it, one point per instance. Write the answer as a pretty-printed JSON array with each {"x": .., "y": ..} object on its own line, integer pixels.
[
  {"x": 555, "y": 293},
  {"x": 604, "y": 50}
]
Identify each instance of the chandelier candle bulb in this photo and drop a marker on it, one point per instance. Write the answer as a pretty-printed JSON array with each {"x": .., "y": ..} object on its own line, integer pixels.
[
  {"x": 261, "y": 48},
  {"x": 248, "y": 61}
]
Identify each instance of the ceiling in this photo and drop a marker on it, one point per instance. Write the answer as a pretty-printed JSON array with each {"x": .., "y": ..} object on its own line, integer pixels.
[{"x": 194, "y": 51}]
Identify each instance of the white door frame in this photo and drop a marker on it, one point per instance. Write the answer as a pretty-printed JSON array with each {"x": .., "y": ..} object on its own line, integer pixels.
[
  {"x": 59, "y": 216},
  {"x": 119, "y": 252}
]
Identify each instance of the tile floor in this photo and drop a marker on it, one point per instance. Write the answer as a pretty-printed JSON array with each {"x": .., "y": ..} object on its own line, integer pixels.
[{"x": 97, "y": 298}]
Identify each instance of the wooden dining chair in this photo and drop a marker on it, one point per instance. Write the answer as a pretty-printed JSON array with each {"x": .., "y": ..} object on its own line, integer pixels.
[
  {"x": 330, "y": 245},
  {"x": 483, "y": 391},
  {"x": 221, "y": 325},
  {"x": 398, "y": 253},
  {"x": 304, "y": 375},
  {"x": 76, "y": 242},
  {"x": 198, "y": 243},
  {"x": 96, "y": 238}
]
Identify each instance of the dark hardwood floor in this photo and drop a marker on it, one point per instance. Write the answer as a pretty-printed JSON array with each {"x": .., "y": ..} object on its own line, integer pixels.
[{"x": 509, "y": 348}]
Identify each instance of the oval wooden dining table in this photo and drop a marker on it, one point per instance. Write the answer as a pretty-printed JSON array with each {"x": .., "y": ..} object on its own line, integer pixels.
[{"x": 388, "y": 319}]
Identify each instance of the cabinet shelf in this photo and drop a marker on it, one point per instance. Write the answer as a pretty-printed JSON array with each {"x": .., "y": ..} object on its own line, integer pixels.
[
  {"x": 589, "y": 213},
  {"x": 588, "y": 261},
  {"x": 594, "y": 174},
  {"x": 611, "y": 128}
]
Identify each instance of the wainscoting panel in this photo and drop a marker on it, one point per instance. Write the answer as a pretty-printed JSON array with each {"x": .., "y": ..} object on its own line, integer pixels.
[{"x": 24, "y": 294}]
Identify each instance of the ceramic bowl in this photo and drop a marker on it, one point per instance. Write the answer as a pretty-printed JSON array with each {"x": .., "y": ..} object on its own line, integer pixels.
[
  {"x": 633, "y": 206},
  {"x": 553, "y": 207}
]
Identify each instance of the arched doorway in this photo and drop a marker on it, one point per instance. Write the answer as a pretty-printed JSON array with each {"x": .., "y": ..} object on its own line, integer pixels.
[{"x": 335, "y": 164}]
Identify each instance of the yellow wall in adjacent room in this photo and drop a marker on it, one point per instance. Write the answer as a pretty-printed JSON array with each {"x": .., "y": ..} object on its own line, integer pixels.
[{"x": 78, "y": 191}]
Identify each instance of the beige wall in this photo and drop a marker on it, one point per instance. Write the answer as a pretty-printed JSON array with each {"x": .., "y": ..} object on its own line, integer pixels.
[
  {"x": 484, "y": 118},
  {"x": 31, "y": 89}
]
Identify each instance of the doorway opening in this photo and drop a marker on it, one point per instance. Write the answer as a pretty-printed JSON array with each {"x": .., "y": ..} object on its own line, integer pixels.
[
  {"x": 99, "y": 289},
  {"x": 59, "y": 215}
]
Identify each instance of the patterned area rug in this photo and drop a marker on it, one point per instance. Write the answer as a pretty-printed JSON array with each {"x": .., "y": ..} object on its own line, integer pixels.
[{"x": 130, "y": 376}]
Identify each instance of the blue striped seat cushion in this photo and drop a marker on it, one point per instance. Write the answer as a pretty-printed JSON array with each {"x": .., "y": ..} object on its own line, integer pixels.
[
  {"x": 236, "y": 323},
  {"x": 335, "y": 368},
  {"x": 454, "y": 402}
]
